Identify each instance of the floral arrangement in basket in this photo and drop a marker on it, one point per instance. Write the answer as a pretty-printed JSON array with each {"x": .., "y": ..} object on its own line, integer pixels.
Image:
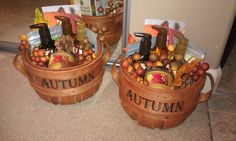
[
  {"x": 70, "y": 48},
  {"x": 163, "y": 66}
]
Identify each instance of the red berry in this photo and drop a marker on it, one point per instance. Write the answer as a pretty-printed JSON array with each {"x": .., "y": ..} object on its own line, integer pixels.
[
  {"x": 148, "y": 64},
  {"x": 198, "y": 64},
  {"x": 32, "y": 58},
  {"x": 200, "y": 72},
  {"x": 41, "y": 64},
  {"x": 37, "y": 59},
  {"x": 135, "y": 74},
  {"x": 100, "y": 9},
  {"x": 110, "y": 15},
  {"x": 41, "y": 52},
  {"x": 205, "y": 66},
  {"x": 194, "y": 69},
  {"x": 23, "y": 42},
  {"x": 140, "y": 71},
  {"x": 125, "y": 64},
  {"x": 195, "y": 77},
  {"x": 191, "y": 73}
]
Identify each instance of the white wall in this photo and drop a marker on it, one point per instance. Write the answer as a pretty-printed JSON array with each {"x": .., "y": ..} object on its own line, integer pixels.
[{"x": 208, "y": 21}]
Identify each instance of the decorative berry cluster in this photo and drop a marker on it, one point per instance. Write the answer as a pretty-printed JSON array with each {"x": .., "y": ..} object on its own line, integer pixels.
[
  {"x": 137, "y": 69},
  {"x": 112, "y": 8},
  {"x": 84, "y": 52},
  {"x": 133, "y": 66},
  {"x": 73, "y": 52},
  {"x": 195, "y": 74},
  {"x": 39, "y": 58},
  {"x": 100, "y": 31},
  {"x": 199, "y": 70},
  {"x": 24, "y": 42}
]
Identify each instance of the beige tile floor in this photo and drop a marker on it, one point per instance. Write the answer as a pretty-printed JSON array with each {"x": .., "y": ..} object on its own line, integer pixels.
[
  {"x": 222, "y": 104},
  {"x": 19, "y": 107},
  {"x": 26, "y": 117}
]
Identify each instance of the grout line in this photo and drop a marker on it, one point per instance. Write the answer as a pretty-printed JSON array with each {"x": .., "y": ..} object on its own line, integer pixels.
[
  {"x": 225, "y": 113},
  {"x": 210, "y": 122},
  {"x": 217, "y": 92}
]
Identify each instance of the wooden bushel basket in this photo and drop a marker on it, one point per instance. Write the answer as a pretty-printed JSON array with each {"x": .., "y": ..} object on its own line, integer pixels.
[
  {"x": 156, "y": 108},
  {"x": 68, "y": 85},
  {"x": 113, "y": 25}
]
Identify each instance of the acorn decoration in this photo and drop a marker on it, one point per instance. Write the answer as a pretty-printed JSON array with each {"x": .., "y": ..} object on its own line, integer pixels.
[
  {"x": 23, "y": 42},
  {"x": 100, "y": 31}
]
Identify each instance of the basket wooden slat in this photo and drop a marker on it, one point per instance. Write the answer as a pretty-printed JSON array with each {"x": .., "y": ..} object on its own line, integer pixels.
[
  {"x": 113, "y": 25},
  {"x": 156, "y": 108},
  {"x": 64, "y": 86}
]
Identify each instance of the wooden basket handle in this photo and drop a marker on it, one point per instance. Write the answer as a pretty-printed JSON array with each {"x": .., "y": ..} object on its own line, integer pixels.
[
  {"x": 107, "y": 55},
  {"x": 19, "y": 66},
  {"x": 205, "y": 96},
  {"x": 115, "y": 74}
]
